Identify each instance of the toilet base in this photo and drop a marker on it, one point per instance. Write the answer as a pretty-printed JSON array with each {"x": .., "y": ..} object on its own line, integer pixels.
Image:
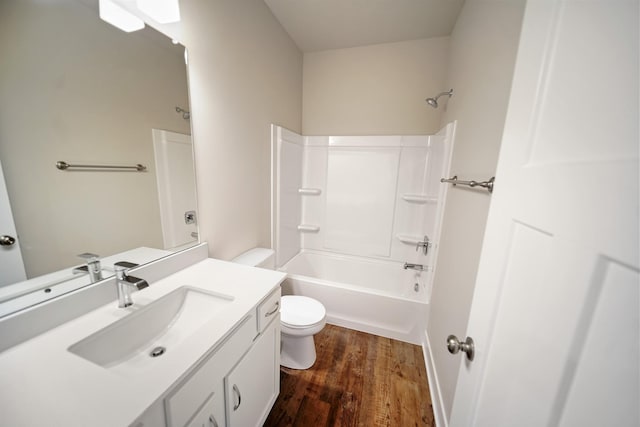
[{"x": 297, "y": 352}]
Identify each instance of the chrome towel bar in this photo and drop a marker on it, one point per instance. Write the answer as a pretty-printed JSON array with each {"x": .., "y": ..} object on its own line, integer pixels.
[
  {"x": 484, "y": 184},
  {"x": 66, "y": 166}
]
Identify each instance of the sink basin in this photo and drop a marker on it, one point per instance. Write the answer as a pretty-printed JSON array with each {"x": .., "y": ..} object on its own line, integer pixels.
[{"x": 155, "y": 328}]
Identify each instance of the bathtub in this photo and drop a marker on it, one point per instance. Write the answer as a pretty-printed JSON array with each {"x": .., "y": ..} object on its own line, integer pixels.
[{"x": 365, "y": 294}]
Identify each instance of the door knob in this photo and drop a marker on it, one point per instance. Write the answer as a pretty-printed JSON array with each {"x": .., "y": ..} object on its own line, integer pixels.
[
  {"x": 454, "y": 346},
  {"x": 7, "y": 240}
]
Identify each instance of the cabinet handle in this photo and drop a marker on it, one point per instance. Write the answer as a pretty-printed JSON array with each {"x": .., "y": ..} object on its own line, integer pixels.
[
  {"x": 236, "y": 391},
  {"x": 274, "y": 309},
  {"x": 212, "y": 421}
]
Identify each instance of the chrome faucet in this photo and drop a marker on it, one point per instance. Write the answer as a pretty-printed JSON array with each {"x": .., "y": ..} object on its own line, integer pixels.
[
  {"x": 419, "y": 267},
  {"x": 126, "y": 283},
  {"x": 92, "y": 267}
]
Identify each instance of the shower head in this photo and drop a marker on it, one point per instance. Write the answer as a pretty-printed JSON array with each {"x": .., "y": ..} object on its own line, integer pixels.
[{"x": 433, "y": 102}]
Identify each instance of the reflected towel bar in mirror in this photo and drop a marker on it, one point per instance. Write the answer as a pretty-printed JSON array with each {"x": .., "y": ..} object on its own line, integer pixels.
[{"x": 66, "y": 166}]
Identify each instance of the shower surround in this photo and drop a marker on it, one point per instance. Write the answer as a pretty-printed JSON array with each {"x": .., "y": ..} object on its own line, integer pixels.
[{"x": 348, "y": 213}]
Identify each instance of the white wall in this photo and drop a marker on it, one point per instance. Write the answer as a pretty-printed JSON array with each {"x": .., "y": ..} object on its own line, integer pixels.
[
  {"x": 483, "y": 50},
  {"x": 374, "y": 90},
  {"x": 74, "y": 88},
  {"x": 244, "y": 74}
]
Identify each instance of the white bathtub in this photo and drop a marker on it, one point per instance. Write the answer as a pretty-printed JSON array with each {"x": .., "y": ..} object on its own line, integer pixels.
[{"x": 365, "y": 294}]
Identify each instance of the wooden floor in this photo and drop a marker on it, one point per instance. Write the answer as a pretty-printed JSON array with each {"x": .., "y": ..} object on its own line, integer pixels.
[{"x": 358, "y": 380}]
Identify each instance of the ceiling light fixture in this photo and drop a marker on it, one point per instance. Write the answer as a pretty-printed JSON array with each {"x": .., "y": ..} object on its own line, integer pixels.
[{"x": 118, "y": 17}]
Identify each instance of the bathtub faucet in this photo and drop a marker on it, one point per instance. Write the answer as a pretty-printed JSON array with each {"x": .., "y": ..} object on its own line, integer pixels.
[
  {"x": 419, "y": 267},
  {"x": 425, "y": 245}
]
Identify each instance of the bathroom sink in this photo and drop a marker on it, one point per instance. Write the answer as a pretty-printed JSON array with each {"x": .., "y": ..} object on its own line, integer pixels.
[{"x": 133, "y": 341}]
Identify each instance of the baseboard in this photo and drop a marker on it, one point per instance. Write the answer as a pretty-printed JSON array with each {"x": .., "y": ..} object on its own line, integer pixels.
[
  {"x": 434, "y": 385},
  {"x": 381, "y": 331}
]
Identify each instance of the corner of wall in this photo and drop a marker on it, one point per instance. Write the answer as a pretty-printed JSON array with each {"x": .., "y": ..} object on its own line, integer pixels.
[
  {"x": 234, "y": 101},
  {"x": 374, "y": 90}
]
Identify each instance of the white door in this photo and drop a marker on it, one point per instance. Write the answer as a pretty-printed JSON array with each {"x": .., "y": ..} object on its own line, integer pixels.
[
  {"x": 11, "y": 265},
  {"x": 176, "y": 187},
  {"x": 555, "y": 310}
]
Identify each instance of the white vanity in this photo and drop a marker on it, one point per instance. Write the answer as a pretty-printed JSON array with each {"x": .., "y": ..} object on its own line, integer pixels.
[{"x": 214, "y": 329}]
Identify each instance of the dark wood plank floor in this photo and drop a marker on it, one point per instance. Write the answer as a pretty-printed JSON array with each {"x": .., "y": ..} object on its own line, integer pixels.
[{"x": 358, "y": 380}]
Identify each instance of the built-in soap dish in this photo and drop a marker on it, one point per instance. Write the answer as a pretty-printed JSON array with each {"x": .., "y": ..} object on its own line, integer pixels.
[
  {"x": 409, "y": 239},
  {"x": 305, "y": 228},
  {"x": 309, "y": 191},
  {"x": 419, "y": 198}
]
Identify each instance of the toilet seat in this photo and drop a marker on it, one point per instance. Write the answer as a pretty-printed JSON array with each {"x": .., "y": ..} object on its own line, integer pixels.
[
  {"x": 298, "y": 312},
  {"x": 285, "y": 324}
]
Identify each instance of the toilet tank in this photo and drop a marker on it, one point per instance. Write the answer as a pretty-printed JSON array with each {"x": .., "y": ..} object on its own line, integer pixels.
[{"x": 257, "y": 257}]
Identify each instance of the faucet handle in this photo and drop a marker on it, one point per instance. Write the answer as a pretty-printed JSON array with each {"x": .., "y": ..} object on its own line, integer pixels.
[
  {"x": 124, "y": 265},
  {"x": 121, "y": 268},
  {"x": 425, "y": 245},
  {"x": 89, "y": 256}
]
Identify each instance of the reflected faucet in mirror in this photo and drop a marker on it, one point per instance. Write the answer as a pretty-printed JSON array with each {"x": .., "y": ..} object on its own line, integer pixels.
[{"x": 92, "y": 267}]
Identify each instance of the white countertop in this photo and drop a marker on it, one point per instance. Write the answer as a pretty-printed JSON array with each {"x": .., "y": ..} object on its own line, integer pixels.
[{"x": 44, "y": 384}]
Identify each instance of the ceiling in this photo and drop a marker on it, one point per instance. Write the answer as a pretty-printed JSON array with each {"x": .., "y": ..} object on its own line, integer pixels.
[{"x": 333, "y": 24}]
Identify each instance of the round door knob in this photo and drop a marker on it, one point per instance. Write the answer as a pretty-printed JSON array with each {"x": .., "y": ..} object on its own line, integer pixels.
[
  {"x": 7, "y": 240},
  {"x": 454, "y": 346}
]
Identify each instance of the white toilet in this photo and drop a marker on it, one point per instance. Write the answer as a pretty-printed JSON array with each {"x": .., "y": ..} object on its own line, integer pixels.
[{"x": 300, "y": 317}]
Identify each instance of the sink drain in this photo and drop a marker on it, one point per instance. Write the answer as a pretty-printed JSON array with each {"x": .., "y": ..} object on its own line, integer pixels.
[{"x": 158, "y": 351}]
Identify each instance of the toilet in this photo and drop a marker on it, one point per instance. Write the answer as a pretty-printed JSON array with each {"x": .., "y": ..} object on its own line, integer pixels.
[{"x": 300, "y": 317}]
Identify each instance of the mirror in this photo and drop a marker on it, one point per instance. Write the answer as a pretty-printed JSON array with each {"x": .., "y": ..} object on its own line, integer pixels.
[{"x": 76, "y": 89}]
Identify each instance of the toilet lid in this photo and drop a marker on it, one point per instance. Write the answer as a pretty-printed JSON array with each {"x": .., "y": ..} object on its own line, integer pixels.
[{"x": 300, "y": 311}]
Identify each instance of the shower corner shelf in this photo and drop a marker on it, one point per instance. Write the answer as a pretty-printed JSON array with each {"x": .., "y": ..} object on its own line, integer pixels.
[
  {"x": 306, "y": 228},
  {"x": 409, "y": 239},
  {"x": 309, "y": 191},
  {"x": 419, "y": 198}
]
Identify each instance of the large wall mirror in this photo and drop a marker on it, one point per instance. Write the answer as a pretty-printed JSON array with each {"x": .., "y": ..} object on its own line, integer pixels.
[{"x": 75, "y": 89}]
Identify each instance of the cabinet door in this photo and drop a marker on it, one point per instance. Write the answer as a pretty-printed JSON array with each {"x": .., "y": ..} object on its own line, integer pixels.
[
  {"x": 188, "y": 398},
  {"x": 253, "y": 385},
  {"x": 211, "y": 414}
]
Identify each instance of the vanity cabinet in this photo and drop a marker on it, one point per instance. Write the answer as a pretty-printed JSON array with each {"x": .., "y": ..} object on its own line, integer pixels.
[
  {"x": 238, "y": 382},
  {"x": 252, "y": 387},
  {"x": 211, "y": 414},
  {"x": 218, "y": 323},
  {"x": 152, "y": 417}
]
